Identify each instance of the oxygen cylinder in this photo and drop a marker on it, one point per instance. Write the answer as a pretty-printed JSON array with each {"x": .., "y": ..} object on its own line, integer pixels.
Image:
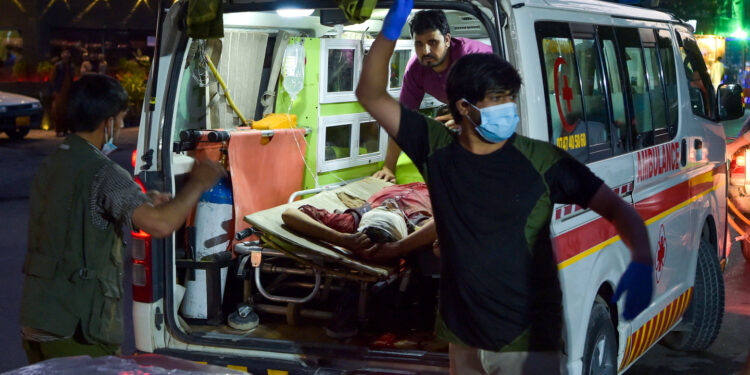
[
  {"x": 214, "y": 211},
  {"x": 294, "y": 69}
]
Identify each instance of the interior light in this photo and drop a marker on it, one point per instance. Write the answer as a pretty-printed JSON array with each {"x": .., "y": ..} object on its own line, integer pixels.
[
  {"x": 739, "y": 34},
  {"x": 288, "y": 12}
]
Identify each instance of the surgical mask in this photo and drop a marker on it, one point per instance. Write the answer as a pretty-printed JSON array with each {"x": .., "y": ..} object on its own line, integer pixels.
[
  {"x": 109, "y": 146},
  {"x": 498, "y": 122}
]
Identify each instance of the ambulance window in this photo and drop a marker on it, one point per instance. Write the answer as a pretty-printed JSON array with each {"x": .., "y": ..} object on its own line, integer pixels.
[
  {"x": 699, "y": 83},
  {"x": 349, "y": 140},
  {"x": 340, "y": 62},
  {"x": 337, "y": 142},
  {"x": 369, "y": 137},
  {"x": 562, "y": 84},
  {"x": 630, "y": 50},
  {"x": 594, "y": 100},
  {"x": 666, "y": 54},
  {"x": 340, "y": 70},
  {"x": 615, "y": 86},
  {"x": 654, "y": 79},
  {"x": 398, "y": 67}
]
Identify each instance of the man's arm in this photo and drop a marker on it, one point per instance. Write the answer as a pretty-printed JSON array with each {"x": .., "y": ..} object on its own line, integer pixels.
[
  {"x": 626, "y": 221},
  {"x": 637, "y": 281},
  {"x": 372, "y": 90},
  {"x": 304, "y": 224},
  {"x": 163, "y": 219}
]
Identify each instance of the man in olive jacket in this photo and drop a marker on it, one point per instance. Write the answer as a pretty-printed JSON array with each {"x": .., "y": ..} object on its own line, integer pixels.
[{"x": 71, "y": 302}]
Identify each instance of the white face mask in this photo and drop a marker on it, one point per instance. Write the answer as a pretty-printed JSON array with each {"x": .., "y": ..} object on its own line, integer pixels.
[{"x": 109, "y": 146}]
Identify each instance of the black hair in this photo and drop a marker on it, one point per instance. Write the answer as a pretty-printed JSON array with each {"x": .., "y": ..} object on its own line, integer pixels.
[
  {"x": 475, "y": 75},
  {"x": 94, "y": 98},
  {"x": 429, "y": 20}
]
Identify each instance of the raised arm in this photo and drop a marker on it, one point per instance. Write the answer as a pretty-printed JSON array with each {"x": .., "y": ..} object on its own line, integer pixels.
[
  {"x": 372, "y": 90},
  {"x": 637, "y": 281}
]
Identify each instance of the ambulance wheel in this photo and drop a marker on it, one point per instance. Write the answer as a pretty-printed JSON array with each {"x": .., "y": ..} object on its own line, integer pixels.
[
  {"x": 600, "y": 352},
  {"x": 745, "y": 244},
  {"x": 702, "y": 320},
  {"x": 17, "y": 133}
]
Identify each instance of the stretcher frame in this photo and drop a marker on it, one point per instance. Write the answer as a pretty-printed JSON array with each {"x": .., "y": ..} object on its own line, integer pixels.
[{"x": 316, "y": 258}]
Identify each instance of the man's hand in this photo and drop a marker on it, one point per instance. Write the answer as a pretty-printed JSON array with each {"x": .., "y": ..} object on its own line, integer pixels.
[
  {"x": 382, "y": 252},
  {"x": 448, "y": 121},
  {"x": 158, "y": 198},
  {"x": 385, "y": 174},
  {"x": 637, "y": 284},
  {"x": 206, "y": 172},
  {"x": 396, "y": 19},
  {"x": 355, "y": 242}
]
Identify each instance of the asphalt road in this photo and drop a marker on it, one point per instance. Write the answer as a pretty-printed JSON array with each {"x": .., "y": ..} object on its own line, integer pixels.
[{"x": 19, "y": 160}]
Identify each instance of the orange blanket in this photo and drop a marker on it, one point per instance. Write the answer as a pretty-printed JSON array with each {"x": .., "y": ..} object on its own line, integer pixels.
[{"x": 264, "y": 172}]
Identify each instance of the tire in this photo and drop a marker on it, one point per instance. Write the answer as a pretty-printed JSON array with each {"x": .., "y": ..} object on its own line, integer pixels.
[
  {"x": 17, "y": 133},
  {"x": 600, "y": 352},
  {"x": 702, "y": 320},
  {"x": 745, "y": 244}
]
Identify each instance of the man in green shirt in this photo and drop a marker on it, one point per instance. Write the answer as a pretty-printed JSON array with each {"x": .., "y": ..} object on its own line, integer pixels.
[{"x": 71, "y": 302}]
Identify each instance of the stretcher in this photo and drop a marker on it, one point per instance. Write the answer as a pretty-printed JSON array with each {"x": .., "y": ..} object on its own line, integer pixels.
[{"x": 312, "y": 258}]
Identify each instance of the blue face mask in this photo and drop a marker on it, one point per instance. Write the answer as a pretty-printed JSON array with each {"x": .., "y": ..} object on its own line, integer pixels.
[
  {"x": 109, "y": 146},
  {"x": 498, "y": 122}
]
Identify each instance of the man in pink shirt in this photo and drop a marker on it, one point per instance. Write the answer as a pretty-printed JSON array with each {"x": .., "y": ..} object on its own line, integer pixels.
[{"x": 427, "y": 71}]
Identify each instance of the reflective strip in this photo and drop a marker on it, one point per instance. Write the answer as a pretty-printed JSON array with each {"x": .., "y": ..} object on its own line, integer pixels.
[{"x": 654, "y": 329}]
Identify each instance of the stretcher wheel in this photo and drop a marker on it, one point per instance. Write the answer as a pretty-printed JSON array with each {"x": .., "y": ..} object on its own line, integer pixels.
[{"x": 745, "y": 244}]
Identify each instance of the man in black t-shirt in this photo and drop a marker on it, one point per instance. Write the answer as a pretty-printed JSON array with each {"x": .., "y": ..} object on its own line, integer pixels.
[{"x": 492, "y": 194}]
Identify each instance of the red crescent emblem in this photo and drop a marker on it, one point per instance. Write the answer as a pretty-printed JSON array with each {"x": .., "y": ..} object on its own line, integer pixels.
[{"x": 567, "y": 94}]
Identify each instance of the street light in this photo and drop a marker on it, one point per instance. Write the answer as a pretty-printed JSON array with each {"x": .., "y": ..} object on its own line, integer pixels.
[{"x": 739, "y": 34}]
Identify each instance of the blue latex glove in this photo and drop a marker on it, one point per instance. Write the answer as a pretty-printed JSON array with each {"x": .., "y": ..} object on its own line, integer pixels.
[
  {"x": 396, "y": 19},
  {"x": 637, "y": 281}
]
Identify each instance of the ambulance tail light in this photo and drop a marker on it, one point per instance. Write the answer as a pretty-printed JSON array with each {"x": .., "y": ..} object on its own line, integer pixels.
[
  {"x": 141, "y": 268},
  {"x": 143, "y": 290}
]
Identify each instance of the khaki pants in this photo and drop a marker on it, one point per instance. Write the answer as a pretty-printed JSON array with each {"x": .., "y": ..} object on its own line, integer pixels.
[{"x": 472, "y": 361}]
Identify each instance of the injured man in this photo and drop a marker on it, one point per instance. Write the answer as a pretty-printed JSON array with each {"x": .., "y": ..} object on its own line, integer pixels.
[{"x": 388, "y": 225}]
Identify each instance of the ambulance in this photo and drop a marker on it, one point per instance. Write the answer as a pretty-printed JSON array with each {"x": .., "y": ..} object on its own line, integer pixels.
[{"x": 623, "y": 89}]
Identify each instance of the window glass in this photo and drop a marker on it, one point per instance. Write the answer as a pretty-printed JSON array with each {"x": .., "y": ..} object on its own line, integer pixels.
[
  {"x": 568, "y": 128},
  {"x": 658, "y": 104},
  {"x": 340, "y": 70},
  {"x": 594, "y": 100},
  {"x": 616, "y": 92},
  {"x": 700, "y": 87},
  {"x": 338, "y": 142},
  {"x": 630, "y": 47},
  {"x": 666, "y": 54},
  {"x": 398, "y": 66},
  {"x": 369, "y": 137}
]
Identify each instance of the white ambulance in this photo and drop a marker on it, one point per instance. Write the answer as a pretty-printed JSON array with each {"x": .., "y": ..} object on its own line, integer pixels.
[{"x": 621, "y": 88}]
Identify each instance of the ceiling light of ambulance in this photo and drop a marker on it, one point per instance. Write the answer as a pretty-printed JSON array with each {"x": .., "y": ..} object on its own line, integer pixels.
[{"x": 289, "y": 13}]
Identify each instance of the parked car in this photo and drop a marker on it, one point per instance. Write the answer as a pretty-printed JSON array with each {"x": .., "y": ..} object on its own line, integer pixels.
[{"x": 18, "y": 114}]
